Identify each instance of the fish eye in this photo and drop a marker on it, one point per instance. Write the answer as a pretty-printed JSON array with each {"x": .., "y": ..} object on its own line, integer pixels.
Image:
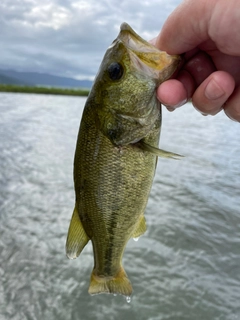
[{"x": 115, "y": 71}]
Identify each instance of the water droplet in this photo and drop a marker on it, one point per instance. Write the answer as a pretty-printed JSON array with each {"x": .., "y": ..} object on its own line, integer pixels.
[
  {"x": 136, "y": 239},
  {"x": 128, "y": 299}
]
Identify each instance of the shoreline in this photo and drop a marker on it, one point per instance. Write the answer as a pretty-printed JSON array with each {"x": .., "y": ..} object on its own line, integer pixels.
[{"x": 44, "y": 90}]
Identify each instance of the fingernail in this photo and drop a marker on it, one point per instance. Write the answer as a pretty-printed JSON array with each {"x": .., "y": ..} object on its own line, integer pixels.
[
  {"x": 213, "y": 91},
  {"x": 180, "y": 104},
  {"x": 202, "y": 113},
  {"x": 172, "y": 108}
]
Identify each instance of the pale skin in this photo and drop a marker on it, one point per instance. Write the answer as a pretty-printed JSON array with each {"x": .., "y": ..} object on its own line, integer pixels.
[{"x": 207, "y": 34}]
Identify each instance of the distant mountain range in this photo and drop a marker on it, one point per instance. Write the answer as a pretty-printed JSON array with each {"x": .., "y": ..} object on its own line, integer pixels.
[{"x": 41, "y": 79}]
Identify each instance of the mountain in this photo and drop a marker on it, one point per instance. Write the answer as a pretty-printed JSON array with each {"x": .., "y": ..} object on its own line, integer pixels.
[
  {"x": 41, "y": 79},
  {"x": 9, "y": 80}
]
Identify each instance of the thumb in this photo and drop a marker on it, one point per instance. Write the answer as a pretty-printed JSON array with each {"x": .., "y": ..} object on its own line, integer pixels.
[{"x": 186, "y": 27}]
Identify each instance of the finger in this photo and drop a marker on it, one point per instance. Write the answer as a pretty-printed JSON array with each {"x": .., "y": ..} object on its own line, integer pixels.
[
  {"x": 180, "y": 34},
  {"x": 232, "y": 106},
  {"x": 195, "y": 70},
  {"x": 188, "y": 82},
  {"x": 172, "y": 94},
  {"x": 200, "y": 67},
  {"x": 212, "y": 94}
]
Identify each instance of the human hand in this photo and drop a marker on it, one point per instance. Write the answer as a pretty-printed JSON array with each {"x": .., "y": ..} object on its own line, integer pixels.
[{"x": 207, "y": 34}]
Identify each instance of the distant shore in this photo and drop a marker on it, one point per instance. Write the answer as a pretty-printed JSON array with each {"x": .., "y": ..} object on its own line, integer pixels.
[{"x": 44, "y": 90}]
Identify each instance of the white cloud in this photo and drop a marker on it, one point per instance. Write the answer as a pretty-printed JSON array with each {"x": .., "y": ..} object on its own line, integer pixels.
[
  {"x": 48, "y": 15},
  {"x": 69, "y": 37}
]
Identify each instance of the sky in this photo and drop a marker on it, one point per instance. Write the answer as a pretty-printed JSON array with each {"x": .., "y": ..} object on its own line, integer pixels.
[{"x": 69, "y": 37}]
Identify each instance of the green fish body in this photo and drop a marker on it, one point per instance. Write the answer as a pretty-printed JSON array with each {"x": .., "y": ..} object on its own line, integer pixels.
[{"x": 116, "y": 156}]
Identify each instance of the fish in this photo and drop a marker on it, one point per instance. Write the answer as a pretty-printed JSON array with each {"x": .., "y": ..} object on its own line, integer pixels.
[{"x": 116, "y": 156}]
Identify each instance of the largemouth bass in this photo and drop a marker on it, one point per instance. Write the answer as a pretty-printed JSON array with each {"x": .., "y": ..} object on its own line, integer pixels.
[{"x": 116, "y": 156}]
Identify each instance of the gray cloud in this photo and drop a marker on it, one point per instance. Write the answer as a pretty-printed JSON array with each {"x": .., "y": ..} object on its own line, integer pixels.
[{"x": 69, "y": 37}]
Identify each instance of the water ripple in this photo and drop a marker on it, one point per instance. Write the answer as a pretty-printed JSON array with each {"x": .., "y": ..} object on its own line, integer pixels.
[{"x": 186, "y": 266}]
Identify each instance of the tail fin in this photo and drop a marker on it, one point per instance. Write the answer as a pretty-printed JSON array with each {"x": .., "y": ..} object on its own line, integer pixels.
[{"x": 118, "y": 284}]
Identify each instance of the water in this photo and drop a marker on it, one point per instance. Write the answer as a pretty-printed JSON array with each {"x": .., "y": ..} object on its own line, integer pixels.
[{"x": 186, "y": 266}]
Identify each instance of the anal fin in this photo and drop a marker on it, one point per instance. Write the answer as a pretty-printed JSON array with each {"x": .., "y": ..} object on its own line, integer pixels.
[
  {"x": 77, "y": 237},
  {"x": 141, "y": 227}
]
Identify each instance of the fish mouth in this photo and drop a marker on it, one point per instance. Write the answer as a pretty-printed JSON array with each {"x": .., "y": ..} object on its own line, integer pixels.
[{"x": 146, "y": 57}]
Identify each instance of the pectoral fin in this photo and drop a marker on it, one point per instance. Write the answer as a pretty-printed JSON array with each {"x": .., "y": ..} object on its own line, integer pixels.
[
  {"x": 77, "y": 237},
  {"x": 158, "y": 152},
  {"x": 141, "y": 228}
]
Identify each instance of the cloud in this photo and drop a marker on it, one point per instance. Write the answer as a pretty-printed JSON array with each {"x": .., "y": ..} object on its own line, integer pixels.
[{"x": 69, "y": 37}]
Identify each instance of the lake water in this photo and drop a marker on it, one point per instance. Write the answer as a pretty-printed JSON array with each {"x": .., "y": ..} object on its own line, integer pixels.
[{"x": 186, "y": 266}]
